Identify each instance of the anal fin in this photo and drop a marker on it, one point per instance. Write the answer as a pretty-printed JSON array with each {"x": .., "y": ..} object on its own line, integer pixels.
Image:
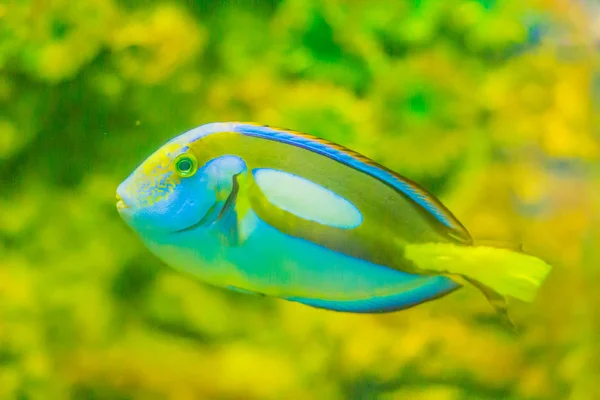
[
  {"x": 431, "y": 288},
  {"x": 239, "y": 290},
  {"x": 496, "y": 300}
]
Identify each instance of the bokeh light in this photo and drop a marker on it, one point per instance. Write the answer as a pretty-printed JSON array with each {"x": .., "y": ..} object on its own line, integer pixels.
[{"x": 490, "y": 104}]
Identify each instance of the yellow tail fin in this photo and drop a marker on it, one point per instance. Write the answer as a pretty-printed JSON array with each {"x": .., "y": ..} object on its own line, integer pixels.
[{"x": 497, "y": 272}]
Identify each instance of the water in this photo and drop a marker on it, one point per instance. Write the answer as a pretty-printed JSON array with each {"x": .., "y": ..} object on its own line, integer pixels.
[{"x": 459, "y": 96}]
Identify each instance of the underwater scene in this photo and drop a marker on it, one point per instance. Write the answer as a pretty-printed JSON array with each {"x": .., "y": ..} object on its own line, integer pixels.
[{"x": 300, "y": 199}]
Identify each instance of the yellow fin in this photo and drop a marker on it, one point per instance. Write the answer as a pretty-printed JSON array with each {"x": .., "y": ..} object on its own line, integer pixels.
[
  {"x": 506, "y": 272},
  {"x": 499, "y": 244}
]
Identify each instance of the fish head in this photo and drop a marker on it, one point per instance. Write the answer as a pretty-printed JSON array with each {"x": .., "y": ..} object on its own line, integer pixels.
[{"x": 168, "y": 192}]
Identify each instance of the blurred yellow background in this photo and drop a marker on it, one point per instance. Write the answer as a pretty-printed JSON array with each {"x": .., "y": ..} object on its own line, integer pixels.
[{"x": 492, "y": 105}]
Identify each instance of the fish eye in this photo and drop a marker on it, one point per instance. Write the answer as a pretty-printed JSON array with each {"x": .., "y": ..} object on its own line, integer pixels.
[{"x": 186, "y": 165}]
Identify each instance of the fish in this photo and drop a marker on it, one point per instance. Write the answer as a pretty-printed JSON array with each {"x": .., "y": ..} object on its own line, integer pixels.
[{"x": 279, "y": 213}]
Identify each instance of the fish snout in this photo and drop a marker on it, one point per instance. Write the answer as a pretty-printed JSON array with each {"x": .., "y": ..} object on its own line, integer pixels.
[
  {"x": 121, "y": 203},
  {"x": 124, "y": 202}
]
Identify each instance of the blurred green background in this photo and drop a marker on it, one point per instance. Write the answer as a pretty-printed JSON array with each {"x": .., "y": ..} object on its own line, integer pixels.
[{"x": 490, "y": 104}]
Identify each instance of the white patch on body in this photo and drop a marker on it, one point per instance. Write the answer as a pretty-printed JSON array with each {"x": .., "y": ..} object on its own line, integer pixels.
[{"x": 306, "y": 199}]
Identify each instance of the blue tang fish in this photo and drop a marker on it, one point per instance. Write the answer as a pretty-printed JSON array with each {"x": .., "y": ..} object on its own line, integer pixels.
[{"x": 281, "y": 213}]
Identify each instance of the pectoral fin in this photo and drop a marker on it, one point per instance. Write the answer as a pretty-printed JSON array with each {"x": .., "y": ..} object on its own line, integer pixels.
[{"x": 227, "y": 220}]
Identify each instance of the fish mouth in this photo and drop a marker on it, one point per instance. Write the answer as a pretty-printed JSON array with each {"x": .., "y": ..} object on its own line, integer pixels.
[{"x": 121, "y": 205}]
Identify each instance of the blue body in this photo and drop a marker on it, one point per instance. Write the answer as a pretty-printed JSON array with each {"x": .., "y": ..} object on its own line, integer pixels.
[{"x": 195, "y": 224}]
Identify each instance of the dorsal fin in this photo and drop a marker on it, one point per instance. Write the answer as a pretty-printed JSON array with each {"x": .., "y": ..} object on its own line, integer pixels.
[{"x": 411, "y": 190}]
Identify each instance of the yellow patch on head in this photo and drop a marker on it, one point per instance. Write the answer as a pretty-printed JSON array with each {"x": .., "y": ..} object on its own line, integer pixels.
[
  {"x": 156, "y": 177},
  {"x": 161, "y": 160}
]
